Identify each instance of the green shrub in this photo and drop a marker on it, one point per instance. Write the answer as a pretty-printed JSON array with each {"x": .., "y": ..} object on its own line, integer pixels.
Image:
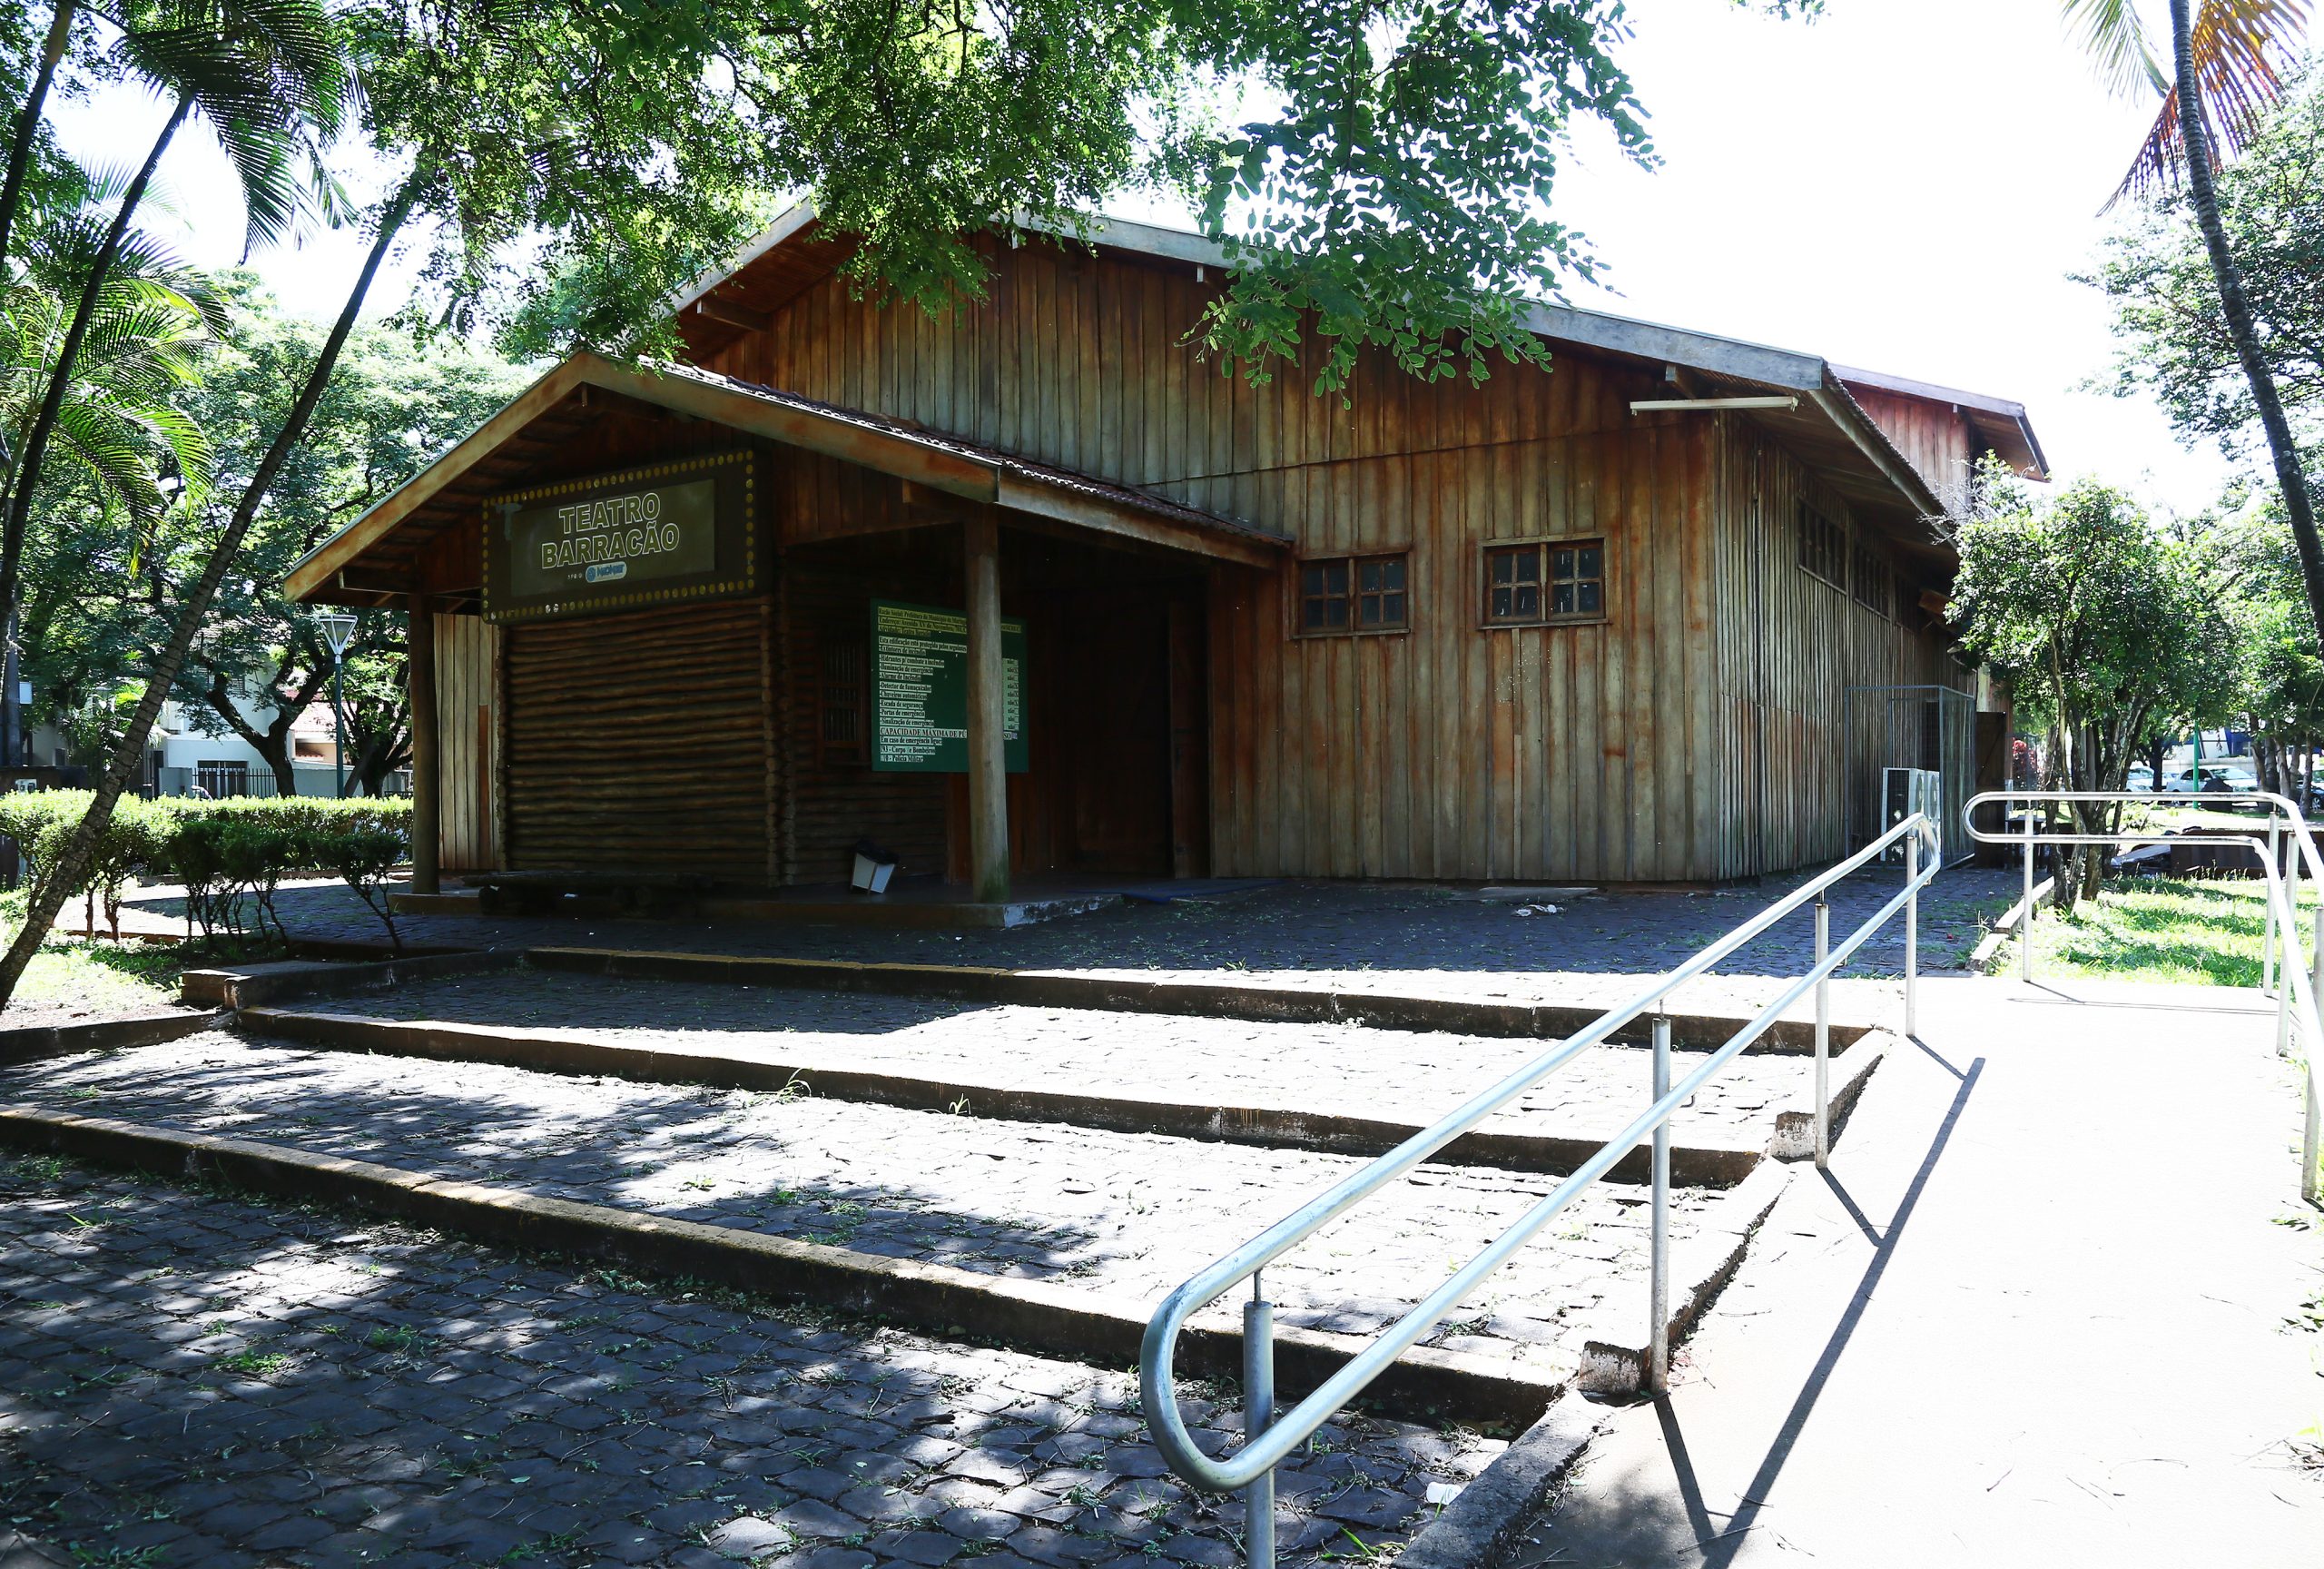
[
  {"x": 224, "y": 853},
  {"x": 363, "y": 859}
]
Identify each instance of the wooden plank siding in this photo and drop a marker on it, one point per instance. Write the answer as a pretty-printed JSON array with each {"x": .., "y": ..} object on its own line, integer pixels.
[
  {"x": 1935, "y": 437},
  {"x": 1689, "y": 735},
  {"x": 1455, "y": 751},
  {"x": 1788, "y": 645},
  {"x": 464, "y": 696}
]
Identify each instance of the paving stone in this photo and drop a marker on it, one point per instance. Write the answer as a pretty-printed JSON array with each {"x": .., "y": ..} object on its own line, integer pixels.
[{"x": 1124, "y": 1214}]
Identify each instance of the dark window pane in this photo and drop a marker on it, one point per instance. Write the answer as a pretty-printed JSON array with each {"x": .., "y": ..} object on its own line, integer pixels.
[
  {"x": 1335, "y": 577},
  {"x": 1367, "y": 611},
  {"x": 1529, "y": 566},
  {"x": 1335, "y": 614},
  {"x": 1391, "y": 608},
  {"x": 1590, "y": 597},
  {"x": 1528, "y": 601},
  {"x": 1593, "y": 561},
  {"x": 1562, "y": 599},
  {"x": 1312, "y": 580},
  {"x": 1561, "y": 564},
  {"x": 1314, "y": 616},
  {"x": 1504, "y": 566},
  {"x": 1391, "y": 572},
  {"x": 1504, "y": 603}
]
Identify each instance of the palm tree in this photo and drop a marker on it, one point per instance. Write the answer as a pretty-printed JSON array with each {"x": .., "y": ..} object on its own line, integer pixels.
[
  {"x": 154, "y": 322},
  {"x": 267, "y": 76},
  {"x": 2227, "y": 69}
]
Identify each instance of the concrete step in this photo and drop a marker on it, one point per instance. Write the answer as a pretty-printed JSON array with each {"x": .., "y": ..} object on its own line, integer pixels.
[
  {"x": 1382, "y": 1000},
  {"x": 1331, "y": 1087},
  {"x": 1117, "y": 1217}
]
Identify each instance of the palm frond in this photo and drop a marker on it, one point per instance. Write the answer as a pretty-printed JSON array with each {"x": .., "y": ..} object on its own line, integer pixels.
[
  {"x": 2243, "y": 50},
  {"x": 2111, "y": 35}
]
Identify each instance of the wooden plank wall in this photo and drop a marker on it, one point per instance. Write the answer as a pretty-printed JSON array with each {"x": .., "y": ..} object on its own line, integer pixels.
[
  {"x": 1453, "y": 752},
  {"x": 1933, "y": 436},
  {"x": 1788, "y": 645},
  {"x": 465, "y": 646}
]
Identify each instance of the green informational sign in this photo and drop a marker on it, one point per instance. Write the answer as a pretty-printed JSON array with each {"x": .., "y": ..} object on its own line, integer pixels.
[{"x": 920, "y": 690}]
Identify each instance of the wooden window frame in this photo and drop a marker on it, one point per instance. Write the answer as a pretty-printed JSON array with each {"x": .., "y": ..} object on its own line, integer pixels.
[
  {"x": 1354, "y": 561},
  {"x": 1812, "y": 543},
  {"x": 1543, "y": 545}
]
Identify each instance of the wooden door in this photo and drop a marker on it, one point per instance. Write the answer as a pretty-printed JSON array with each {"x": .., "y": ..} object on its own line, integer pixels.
[{"x": 1117, "y": 745}]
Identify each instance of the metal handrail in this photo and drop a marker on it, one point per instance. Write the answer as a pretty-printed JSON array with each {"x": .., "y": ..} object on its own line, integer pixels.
[
  {"x": 1268, "y": 1441},
  {"x": 2283, "y": 907}
]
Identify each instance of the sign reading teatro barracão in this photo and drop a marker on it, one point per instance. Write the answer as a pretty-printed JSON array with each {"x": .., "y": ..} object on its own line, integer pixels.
[{"x": 653, "y": 536}]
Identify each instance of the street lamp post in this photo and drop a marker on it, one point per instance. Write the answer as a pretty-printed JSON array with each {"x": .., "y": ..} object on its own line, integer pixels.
[{"x": 338, "y": 628}]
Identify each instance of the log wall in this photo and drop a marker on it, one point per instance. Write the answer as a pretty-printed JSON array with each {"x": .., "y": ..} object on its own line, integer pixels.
[{"x": 642, "y": 742}]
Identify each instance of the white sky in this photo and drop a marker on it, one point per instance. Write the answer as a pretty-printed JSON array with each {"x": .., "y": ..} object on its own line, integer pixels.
[{"x": 1896, "y": 186}]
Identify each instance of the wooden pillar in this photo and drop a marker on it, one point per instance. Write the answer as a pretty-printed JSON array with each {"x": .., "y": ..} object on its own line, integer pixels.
[
  {"x": 421, "y": 671},
  {"x": 988, "y": 712}
]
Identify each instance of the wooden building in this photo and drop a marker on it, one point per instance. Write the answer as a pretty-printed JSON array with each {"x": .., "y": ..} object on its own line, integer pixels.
[{"x": 1594, "y": 623}]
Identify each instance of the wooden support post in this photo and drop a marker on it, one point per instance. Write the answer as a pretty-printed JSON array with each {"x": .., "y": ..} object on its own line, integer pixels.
[
  {"x": 420, "y": 667},
  {"x": 988, "y": 712}
]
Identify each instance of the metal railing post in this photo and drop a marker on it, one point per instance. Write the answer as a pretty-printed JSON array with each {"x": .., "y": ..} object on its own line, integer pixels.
[
  {"x": 2026, "y": 910},
  {"x": 1658, "y": 1308},
  {"x": 1823, "y": 1036},
  {"x": 2283, "y": 982},
  {"x": 2311, "y": 1186},
  {"x": 2268, "y": 978},
  {"x": 1913, "y": 936},
  {"x": 1258, "y": 1414}
]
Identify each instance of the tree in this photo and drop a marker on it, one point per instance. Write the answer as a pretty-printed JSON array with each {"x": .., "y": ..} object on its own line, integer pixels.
[
  {"x": 260, "y": 74},
  {"x": 524, "y": 157},
  {"x": 395, "y": 403},
  {"x": 2157, "y": 274},
  {"x": 2227, "y": 68},
  {"x": 2105, "y": 624}
]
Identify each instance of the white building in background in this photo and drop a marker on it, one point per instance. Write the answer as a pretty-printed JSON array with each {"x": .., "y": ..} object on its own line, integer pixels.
[{"x": 184, "y": 759}]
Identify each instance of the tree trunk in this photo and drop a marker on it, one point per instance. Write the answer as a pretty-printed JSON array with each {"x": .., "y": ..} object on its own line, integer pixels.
[
  {"x": 2291, "y": 479},
  {"x": 128, "y": 753},
  {"x": 20, "y": 150},
  {"x": 27, "y": 479}
]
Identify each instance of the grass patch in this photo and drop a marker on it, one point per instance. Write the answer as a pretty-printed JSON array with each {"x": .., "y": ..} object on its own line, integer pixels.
[
  {"x": 97, "y": 978},
  {"x": 2207, "y": 932}
]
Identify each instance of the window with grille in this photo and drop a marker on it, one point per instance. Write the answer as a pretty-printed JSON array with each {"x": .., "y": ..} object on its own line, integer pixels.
[
  {"x": 1823, "y": 548},
  {"x": 840, "y": 723},
  {"x": 1355, "y": 594},
  {"x": 1547, "y": 581},
  {"x": 1872, "y": 579}
]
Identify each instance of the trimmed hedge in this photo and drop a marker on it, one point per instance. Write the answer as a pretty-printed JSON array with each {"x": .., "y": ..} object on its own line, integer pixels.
[{"x": 231, "y": 855}]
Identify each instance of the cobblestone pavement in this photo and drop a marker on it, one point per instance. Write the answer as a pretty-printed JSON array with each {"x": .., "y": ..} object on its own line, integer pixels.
[
  {"x": 1214, "y": 1061},
  {"x": 197, "y": 1380},
  {"x": 1399, "y": 936},
  {"x": 1129, "y": 1214}
]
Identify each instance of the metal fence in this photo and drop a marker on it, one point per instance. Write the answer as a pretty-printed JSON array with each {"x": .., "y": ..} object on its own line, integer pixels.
[
  {"x": 226, "y": 782},
  {"x": 1927, "y": 727}
]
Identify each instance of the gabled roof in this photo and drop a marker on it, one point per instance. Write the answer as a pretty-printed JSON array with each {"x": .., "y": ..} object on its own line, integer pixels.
[
  {"x": 792, "y": 254},
  {"x": 2003, "y": 424},
  {"x": 450, "y": 489}
]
